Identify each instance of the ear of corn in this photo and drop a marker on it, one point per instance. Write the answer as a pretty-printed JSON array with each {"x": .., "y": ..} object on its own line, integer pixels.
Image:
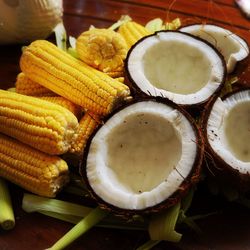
[
  {"x": 26, "y": 86},
  {"x": 103, "y": 49},
  {"x": 39, "y": 123},
  {"x": 31, "y": 169},
  {"x": 56, "y": 70},
  {"x": 75, "y": 109},
  {"x": 86, "y": 127},
  {"x": 132, "y": 32}
]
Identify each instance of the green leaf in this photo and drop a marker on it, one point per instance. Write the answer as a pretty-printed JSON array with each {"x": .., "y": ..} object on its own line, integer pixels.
[
  {"x": 155, "y": 25},
  {"x": 122, "y": 20},
  {"x": 148, "y": 245},
  {"x": 162, "y": 225},
  {"x": 7, "y": 219},
  {"x": 35, "y": 203},
  {"x": 61, "y": 36},
  {"x": 80, "y": 228}
]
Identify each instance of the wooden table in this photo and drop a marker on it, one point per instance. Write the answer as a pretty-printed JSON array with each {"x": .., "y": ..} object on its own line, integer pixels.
[{"x": 229, "y": 229}]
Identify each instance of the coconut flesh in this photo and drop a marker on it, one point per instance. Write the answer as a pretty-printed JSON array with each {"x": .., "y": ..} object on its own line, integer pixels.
[
  {"x": 141, "y": 155},
  {"x": 231, "y": 46},
  {"x": 175, "y": 65},
  {"x": 228, "y": 130}
]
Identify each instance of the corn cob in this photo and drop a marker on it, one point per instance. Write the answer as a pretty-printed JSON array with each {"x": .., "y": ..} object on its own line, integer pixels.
[
  {"x": 39, "y": 123},
  {"x": 75, "y": 109},
  {"x": 87, "y": 125},
  {"x": 103, "y": 49},
  {"x": 71, "y": 78},
  {"x": 31, "y": 169},
  {"x": 132, "y": 32},
  {"x": 26, "y": 86}
]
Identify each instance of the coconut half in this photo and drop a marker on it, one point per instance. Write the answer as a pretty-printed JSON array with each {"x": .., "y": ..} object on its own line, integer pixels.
[
  {"x": 143, "y": 158},
  {"x": 231, "y": 46},
  {"x": 227, "y": 130},
  {"x": 175, "y": 65}
]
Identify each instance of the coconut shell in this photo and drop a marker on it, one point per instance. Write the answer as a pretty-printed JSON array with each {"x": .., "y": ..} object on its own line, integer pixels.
[
  {"x": 216, "y": 167},
  {"x": 189, "y": 182},
  {"x": 193, "y": 109}
]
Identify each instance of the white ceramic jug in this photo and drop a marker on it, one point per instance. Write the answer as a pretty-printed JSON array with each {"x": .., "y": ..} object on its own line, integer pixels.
[{"x": 23, "y": 21}]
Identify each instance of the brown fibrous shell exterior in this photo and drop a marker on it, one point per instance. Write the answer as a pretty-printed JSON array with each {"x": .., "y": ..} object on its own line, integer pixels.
[
  {"x": 189, "y": 182},
  {"x": 218, "y": 169},
  {"x": 193, "y": 108}
]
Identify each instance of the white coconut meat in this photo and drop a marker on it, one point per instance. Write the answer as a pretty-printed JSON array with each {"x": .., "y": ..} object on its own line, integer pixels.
[
  {"x": 177, "y": 66},
  {"x": 231, "y": 46},
  {"x": 141, "y": 155},
  {"x": 228, "y": 130}
]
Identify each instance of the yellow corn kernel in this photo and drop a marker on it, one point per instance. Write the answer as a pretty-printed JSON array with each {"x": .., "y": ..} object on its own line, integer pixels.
[
  {"x": 103, "y": 49},
  {"x": 87, "y": 125},
  {"x": 41, "y": 124},
  {"x": 115, "y": 74},
  {"x": 26, "y": 86},
  {"x": 132, "y": 32},
  {"x": 71, "y": 78},
  {"x": 120, "y": 79},
  {"x": 72, "y": 107},
  {"x": 32, "y": 169}
]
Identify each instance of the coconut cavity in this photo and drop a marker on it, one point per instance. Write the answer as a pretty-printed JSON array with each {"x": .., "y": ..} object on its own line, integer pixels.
[
  {"x": 141, "y": 155},
  {"x": 142, "y": 151},
  {"x": 176, "y": 67},
  {"x": 237, "y": 131},
  {"x": 228, "y": 130}
]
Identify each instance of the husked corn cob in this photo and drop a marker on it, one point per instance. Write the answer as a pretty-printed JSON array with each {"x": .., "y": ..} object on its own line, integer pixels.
[
  {"x": 31, "y": 169},
  {"x": 103, "y": 49},
  {"x": 71, "y": 78},
  {"x": 43, "y": 125},
  {"x": 132, "y": 32},
  {"x": 87, "y": 125},
  {"x": 72, "y": 107},
  {"x": 26, "y": 86}
]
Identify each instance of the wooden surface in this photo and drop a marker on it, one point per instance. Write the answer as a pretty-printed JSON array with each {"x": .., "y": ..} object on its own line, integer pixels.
[{"x": 229, "y": 229}]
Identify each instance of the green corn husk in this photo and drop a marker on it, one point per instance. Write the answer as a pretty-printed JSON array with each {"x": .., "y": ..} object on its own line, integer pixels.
[
  {"x": 7, "y": 219},
  {"x": 80, "y": 228},
  {"x": 73, "y": 213},
  {"x": 34, "y": 203},
  {"x": 162, "y": 225}
]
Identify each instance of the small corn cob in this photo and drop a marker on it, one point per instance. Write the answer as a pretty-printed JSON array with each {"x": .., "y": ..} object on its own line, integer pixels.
[
  {"x": 132, "y": 32},
  {"x": 31, "y": 169},
  {"x": 75, "y": 109},
  {"x": 43, "y": 125},
  {"x": 26, "y": 86},
  {"x": 103, "y": 49},
  {"x": 87, "y": 125},
  {"x": 71, "y": 78}
]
